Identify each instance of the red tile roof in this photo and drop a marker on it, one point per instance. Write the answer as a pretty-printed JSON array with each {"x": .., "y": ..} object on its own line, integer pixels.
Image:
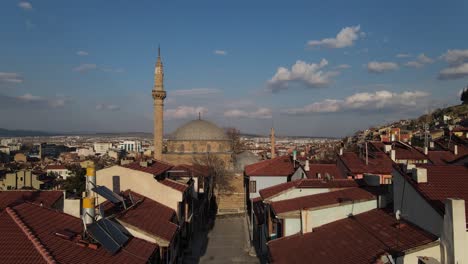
[
  {"x": 322, "y": 199},
  {"x": 12, "y": 198},
  {"x": 378, "y": 163},
  {"x": 444, "y": 181},
  {"x": 190, "y": 170},
  {"x": 403, "y": 151},
  {"x": 355, "y": 240},
  {"x": 440, "y": 157},
  {"x": 175, "y": 185},
  {"x": 150, "y": 216},
  {"x": 156, "y": 167},
  {"x": 14, "y": 240},
  {"x": 323, "y": 169},
  {"x": 44, "y": 223},
  {"x": 279, "y": 166},
  {"x": 307, "y": 183}
]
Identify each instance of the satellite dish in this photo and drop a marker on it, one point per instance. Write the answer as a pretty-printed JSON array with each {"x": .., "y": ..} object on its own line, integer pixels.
[{"x": 398, "y": 215}]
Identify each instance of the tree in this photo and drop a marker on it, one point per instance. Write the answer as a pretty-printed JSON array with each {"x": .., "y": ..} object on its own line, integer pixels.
[
  {"x": 237, "y": 146},
  {"x": 220, "y": 179},
  {"x": 76, "y": 182}
]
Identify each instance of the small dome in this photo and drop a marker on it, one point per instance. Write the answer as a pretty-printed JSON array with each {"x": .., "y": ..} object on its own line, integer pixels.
[{"x": 199, "y": 130}]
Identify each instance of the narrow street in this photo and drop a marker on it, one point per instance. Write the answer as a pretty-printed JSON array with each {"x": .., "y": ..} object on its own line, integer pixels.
[{"x": 226, "y": 242}]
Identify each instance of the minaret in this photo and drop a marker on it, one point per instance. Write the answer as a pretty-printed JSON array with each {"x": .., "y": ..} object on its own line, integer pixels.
[
  {"x": 158, "y": 99},
  {"x": 272, "y": 141}
]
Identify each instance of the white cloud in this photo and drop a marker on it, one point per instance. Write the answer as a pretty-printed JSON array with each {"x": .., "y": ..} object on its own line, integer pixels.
[
  {"x": 85, "y": 67},
  {"x": 195, "y": 92},
  {"x": 458, "y": 65},
  {"x": 381, "y": 67},
  {"x": 455, "y": 57},
  {"x": 363, "y": 102},
  {"x": 10, "y": 77},
  {"x": 260, "y": 113},
  {"x": 312, "y": 75},
  {"x": 82, "y": 53},
  {"x": 454, "y": 72},
  {"x": 30, "y": 98},
  {"x": 117, "y": 70},
  {"x": 343, "y": 66},
  {"x": 25, "y": 5},
  {"x": 420, "y": 61},
  {"x": 403, "y": 55},
  {"x": 344, "y": 38},
  {"x": 182, "y": 112},
  {"x": 220, "y": 52},
  {"x": 58, "y": 102},
  {"x": 109, "y": 107}
]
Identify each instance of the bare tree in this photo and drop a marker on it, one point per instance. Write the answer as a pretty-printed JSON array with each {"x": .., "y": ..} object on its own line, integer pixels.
[
  {"x": 219, "y": 176},
  {"x": 234, "y": 136}
]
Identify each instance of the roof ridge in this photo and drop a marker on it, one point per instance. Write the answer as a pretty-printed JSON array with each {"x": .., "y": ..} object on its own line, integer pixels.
[{"x": 42, "y": 250}]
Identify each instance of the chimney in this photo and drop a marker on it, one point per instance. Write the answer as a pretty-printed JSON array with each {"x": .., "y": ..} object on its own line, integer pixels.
[
  {"x": 453, "y": 237},
  {"x": 273, "y": 143},
  {"x": 455, "y": 150},
  {"x": 341, "y": 151},
  {"x": 392, "y": 137},
  {"x": 419, "y": 175},
  {"x": 393, "y": 155},
  {"x": 307, "y": 167},
  {"x": 426, "y": 150},
  {"x": 90, "y": 179},
  {"x": 387, "y": 148}
]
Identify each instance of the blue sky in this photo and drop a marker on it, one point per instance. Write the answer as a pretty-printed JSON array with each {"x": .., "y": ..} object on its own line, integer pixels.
[{"x": 312, "y": 68}]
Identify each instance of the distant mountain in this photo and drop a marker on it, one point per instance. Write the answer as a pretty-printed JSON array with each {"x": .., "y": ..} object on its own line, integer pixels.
[{"x": 24, "y": 133}]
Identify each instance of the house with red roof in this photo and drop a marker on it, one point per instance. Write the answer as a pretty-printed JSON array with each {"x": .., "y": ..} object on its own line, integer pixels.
[
  {"x": 148, "y": 220},
  {"x": 375, "y": 236},
  {"x": 59, "y": 170},
  {"x": 36, "y": 234},
  {"x": 271, "y": 172},
  {"x": 356, "y": 166},
  {"x": 161, "y": 182}
]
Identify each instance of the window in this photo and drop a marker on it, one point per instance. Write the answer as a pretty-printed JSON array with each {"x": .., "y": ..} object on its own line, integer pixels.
[{"x": 253, "y": 187}]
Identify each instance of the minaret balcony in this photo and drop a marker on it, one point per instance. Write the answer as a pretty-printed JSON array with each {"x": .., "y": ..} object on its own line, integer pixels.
[{"x": 159, "y": 94}]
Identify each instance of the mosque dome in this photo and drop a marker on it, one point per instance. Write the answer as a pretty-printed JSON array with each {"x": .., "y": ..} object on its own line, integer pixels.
[{"x": 199, "y": 130}]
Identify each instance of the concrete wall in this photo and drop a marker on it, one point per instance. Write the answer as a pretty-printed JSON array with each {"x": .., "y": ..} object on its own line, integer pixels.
[
  {"x": 296, "y": 192},
  {"x": 291, "y": 226},
  {"x": 413, "y": 207},
  {"x": 412, "y": 257},
  {"x": 315, "y": 218},
  {"x": 263, "y": 182},
  {"x": 139, "y": 182}
]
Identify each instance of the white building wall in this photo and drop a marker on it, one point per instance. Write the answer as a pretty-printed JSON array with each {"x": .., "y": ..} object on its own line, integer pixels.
[
  {"x": 412, "y": 257},
  {"x": 296, "y": 192},
  {"x": 316, "y": 218},
  {"x": 291, "y": 226},
  {"x": 413, "y": 207},
  {"x": 139, "y": 182},
  {"x": 263, "y": 182}
]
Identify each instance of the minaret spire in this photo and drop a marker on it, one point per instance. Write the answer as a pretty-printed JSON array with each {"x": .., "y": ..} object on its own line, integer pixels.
[
  {"x": 272, "y": 142},
  {"x": 159, "y": 95}
]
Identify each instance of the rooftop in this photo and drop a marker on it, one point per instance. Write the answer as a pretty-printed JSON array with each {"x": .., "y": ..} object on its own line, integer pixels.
[
  {"x": 378, "y": 163},
  {"x": 199, "y": 130},
  {"x": 279, "y": 166},
  {"x": 307, "y": 183},
  {"x": 12, "y": 198},
  {"x": 29, "y": 248},
  {"x": 361, "y": 239},
  {"x": 322, "y": 199},
  {"x": 147, "y": 215},
  {"x": 323, "y": 169},
  {"x": 443, "y": 181},
  {"x": 154, "y": 167}
]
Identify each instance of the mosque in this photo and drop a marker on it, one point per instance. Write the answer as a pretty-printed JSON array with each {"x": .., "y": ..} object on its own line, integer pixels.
[{"x": 192, "y": 140}]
